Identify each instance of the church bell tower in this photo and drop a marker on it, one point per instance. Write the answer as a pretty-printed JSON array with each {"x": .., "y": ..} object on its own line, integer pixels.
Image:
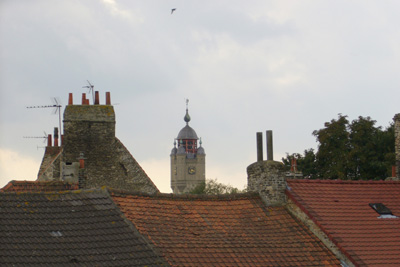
[{"x": 188, "y": 161}]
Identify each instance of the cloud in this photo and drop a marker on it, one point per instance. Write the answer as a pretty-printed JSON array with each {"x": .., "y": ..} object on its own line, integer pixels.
[
  {"x": 14, "y": 166},
  {"x": 117, "y": 11}
]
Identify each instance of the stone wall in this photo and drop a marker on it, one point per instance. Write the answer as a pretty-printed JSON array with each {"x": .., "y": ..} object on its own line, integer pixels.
[
  {"x": 90, "y": 129},
  {"x": 269, "y": 180},
  {"x": 181, "y": 180},
  {"x": 50, "y": 167},
  {"x": 397, "y": 142}
]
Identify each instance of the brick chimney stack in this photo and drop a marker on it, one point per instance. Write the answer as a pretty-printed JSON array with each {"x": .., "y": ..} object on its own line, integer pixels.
[
  {"x": 49, "y": 141},
  {"x": 55, "y": 136}
]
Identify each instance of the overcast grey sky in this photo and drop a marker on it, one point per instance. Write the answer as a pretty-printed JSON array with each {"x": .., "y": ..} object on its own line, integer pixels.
[{"x": 246, "y": 66}]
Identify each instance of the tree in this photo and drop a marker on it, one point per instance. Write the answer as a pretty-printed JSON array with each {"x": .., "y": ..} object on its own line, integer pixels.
[
  {"x": 333, "y": 149},
  {"x": 213, "y": 187},
  {"x": 306, "y": 164},
  {"x": 356, "y": 150}
]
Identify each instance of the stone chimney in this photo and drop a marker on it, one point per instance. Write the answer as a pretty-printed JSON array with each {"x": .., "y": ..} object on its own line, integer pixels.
[{"x": 267, "y": 178}]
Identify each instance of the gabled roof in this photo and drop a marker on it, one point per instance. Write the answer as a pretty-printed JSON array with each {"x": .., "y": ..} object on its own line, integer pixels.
[
  {"x": 341, "y": 209},
  {"x": 234, "y": 230},
  {"x": 77, "y": 228},
  {"x": 38, "y": 186}
]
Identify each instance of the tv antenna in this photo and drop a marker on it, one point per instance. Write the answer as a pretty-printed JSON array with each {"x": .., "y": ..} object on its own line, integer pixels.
[
  {"x": 91, "y": 89},
  {"x": 38, "y": 137},
  {"x": 57, "y": 109}
]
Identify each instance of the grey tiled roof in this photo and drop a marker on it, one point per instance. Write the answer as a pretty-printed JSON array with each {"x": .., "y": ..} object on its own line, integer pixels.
[{"x": 78, "y": 228}]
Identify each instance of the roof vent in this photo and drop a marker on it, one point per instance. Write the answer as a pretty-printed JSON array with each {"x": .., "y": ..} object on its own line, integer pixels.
[{"x": 384, "y": 211}]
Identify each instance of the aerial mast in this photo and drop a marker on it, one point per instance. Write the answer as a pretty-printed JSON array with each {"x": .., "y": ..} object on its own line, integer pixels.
[{"x": 57, "y": 109}]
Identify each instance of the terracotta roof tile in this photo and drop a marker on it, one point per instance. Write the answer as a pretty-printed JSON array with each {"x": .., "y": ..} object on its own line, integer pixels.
[
  {"x": 341, "y": 209},
  {"x": 38, "y": 186},
  {"x": 223, "y": 231}
]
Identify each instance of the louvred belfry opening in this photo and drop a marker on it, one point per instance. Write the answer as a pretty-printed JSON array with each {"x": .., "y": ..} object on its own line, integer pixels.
[{"x": 187, "y": 137}]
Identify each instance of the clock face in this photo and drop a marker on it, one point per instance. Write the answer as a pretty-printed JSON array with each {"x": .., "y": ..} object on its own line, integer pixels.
[{"x": 192, "y": 170}]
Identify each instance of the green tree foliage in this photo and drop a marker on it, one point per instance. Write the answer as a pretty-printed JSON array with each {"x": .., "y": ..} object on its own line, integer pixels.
[
  {"x": 306, "y": 163},
  {"x": 349, "y": 150},
  {"x": 213, "y": 187}
]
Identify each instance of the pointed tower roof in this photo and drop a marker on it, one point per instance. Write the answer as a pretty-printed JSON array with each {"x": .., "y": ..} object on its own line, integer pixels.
[{"x": 187, "y": 132}]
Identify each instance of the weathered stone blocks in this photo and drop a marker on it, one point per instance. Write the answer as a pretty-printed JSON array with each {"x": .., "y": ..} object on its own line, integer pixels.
[{"x": 268, "y": 179}]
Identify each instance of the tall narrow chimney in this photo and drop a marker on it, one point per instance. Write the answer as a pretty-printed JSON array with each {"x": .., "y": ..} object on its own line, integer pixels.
[
  {"x": 108, "y": 98},
  {"x": 49, "y": 141},
  {"x": 259, "y": 147},
  {"x": 96, "y": 98},
  {"x": 70, "y": 99},
  {"x": 83, "y": 98},
  {"x": 270, "y": 151},
  {"x": 55, "y": 136}
]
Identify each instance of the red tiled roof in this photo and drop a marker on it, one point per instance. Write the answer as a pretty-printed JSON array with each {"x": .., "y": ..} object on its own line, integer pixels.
[
  {"x": 223, "y": 231},
  {"x": 38, "y": 186},
  {"x": 341, "y": 209}
]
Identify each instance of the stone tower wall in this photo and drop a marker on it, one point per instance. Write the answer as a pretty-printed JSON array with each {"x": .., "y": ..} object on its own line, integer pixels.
[
  {"x": 269, "y": 180},
  {"x": 90, "y": 129},
  {"x": 181, "y": 180}
]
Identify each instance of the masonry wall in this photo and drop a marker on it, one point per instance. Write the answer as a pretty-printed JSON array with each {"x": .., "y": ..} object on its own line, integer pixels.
[
  {"x": 90, "y": 129},
  {"x": 50, "y": 167},
  {"x": 181, "y": 180},
  {"x": 269, "y": 180}
]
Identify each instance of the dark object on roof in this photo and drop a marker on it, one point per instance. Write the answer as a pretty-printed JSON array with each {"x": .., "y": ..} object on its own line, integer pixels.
[
  {"x": 233, "y": 230},
  {"x": 78, "y": 228},
  {"x": 380, "y": 208}
]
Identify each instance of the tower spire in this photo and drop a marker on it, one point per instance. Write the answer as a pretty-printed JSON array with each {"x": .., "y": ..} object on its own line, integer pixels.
[{"x": 187, "y": 117}]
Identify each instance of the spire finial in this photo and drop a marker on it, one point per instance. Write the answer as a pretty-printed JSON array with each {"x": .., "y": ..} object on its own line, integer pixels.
[{"x": 187, "y": 117}]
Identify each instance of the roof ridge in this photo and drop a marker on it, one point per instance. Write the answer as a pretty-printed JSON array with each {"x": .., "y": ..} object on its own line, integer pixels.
[
  {"x": 236, "y": 196},
  {"x": 336, "y": 181},
  {"x": 64, "y": 192}
]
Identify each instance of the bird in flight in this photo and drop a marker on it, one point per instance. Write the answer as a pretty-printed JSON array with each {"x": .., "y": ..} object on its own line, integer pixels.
[{"x": 172, "y": 10}]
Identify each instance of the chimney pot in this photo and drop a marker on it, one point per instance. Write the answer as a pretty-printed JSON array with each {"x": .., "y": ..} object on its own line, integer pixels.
[
  {"x": 49, "y": 141},
  {"x": 259, "y": 147},
  {"x": 108, "y": 98},
  {"x": 70, "y": 99},
  {"x": 96, "y": 100},
  {"x": 55, "y": 136},
  {"x": 83, "y": 98},
  {"x": 270, "y": 151}
]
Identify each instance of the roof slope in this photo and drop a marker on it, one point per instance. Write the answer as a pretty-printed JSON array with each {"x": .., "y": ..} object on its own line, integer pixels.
[
  {"x": 38, "y": 186},
  {"x": 223, "y": 231},
  {"x": 341, "y": 209},
  {"x": 69, "y": 228}
]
